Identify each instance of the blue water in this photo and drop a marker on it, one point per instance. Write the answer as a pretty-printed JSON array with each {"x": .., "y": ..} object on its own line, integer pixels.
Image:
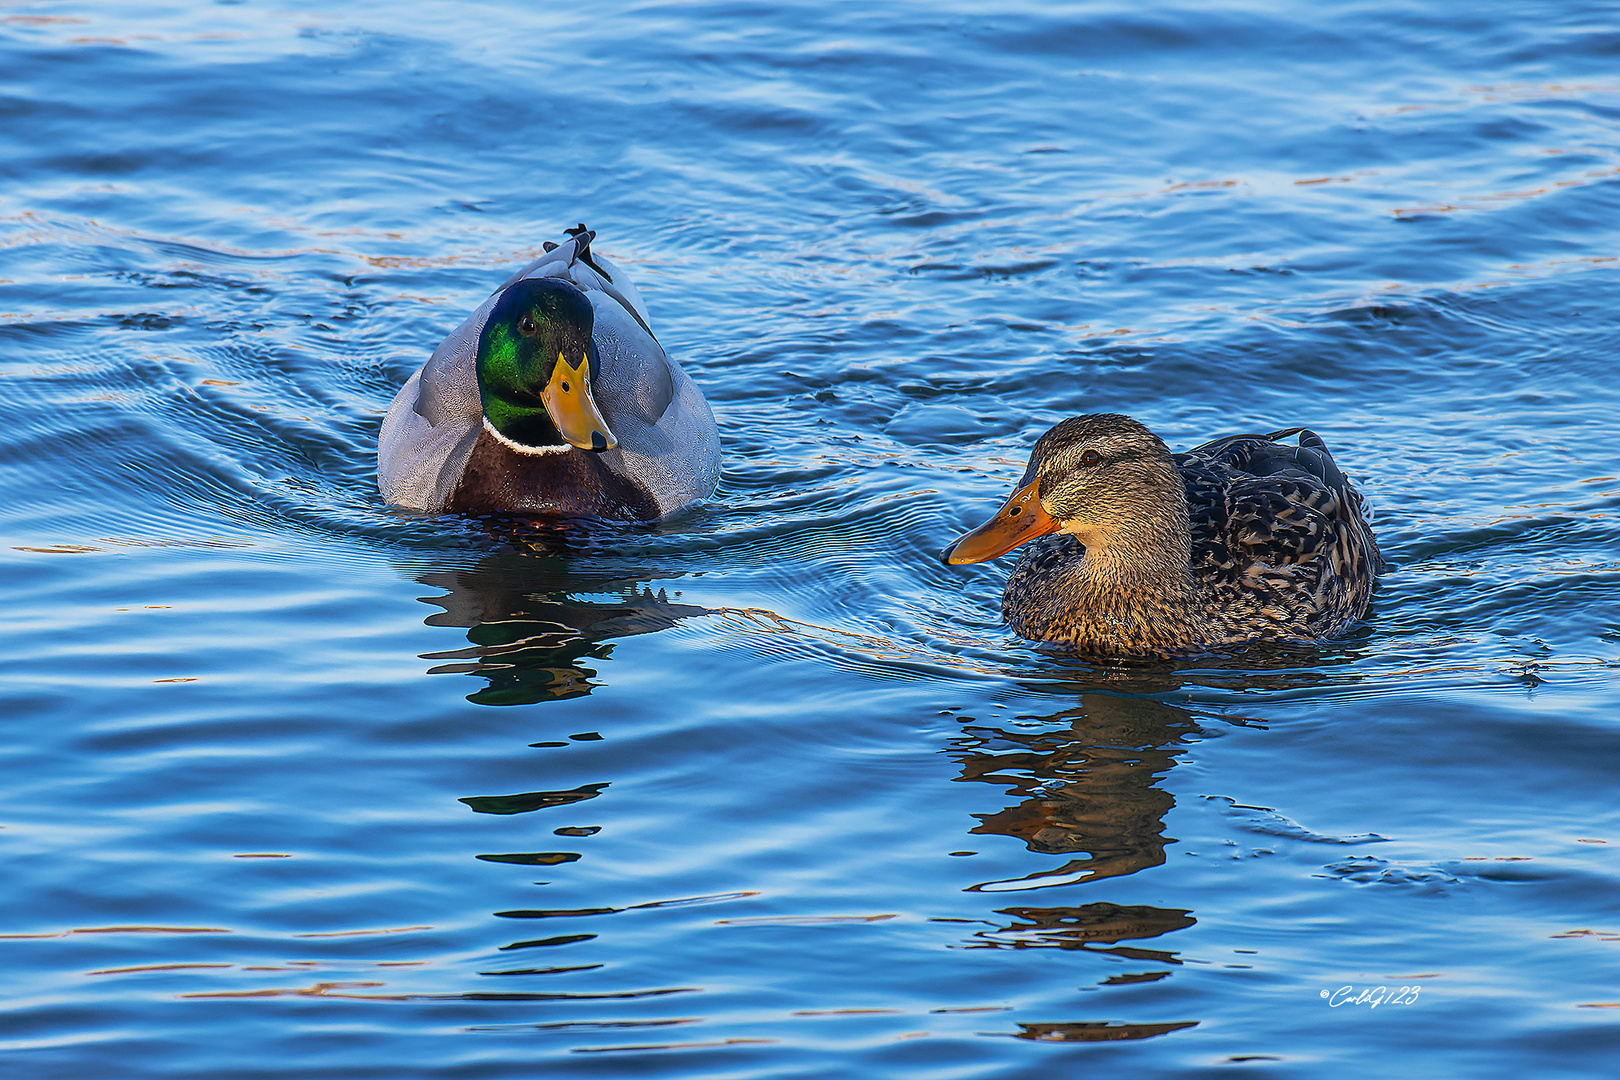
[{"x": 296, "y": 785}]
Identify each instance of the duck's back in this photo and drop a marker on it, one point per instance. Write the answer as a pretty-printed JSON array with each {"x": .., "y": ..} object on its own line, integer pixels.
[
  {"x": 1281, "y": 544},
  {"x": 667, "y": 436}
]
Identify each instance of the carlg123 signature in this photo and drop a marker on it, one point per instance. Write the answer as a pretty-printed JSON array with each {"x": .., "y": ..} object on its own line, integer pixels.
[{"x": 1372, "y": 996}]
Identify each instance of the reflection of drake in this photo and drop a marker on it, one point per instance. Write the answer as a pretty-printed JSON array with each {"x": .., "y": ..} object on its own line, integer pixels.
[
  {"x": 530, "y": 629},
  {"x": 1088, "y": 788}
]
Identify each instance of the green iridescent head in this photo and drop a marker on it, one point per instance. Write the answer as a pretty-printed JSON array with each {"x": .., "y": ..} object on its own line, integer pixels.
[{"x": 536, "y": 363}]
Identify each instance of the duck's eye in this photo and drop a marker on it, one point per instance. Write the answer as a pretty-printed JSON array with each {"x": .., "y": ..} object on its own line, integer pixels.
[
  {"x": 526, "y": 326},
  {"x": 1090, "y": 458}
]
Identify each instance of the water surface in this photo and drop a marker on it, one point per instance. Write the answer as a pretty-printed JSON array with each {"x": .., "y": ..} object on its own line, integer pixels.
[{"x": 301, "y": 786}]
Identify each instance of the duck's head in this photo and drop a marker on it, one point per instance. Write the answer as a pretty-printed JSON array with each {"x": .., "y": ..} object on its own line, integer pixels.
[
  {"x": 536, "y": 363},
  {"x": 1100, "y": 478}
]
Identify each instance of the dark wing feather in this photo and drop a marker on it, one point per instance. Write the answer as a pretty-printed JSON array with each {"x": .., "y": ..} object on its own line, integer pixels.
[
  {"x": 1256, "y": 503},
  {"x": 1280, "y": 519},
  {"x": 1206, "y": 482}
]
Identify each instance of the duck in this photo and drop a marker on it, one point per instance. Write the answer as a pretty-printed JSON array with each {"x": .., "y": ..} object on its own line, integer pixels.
[
  {"x": 1138, "y": 552},
  {"x": 553, "y": 400}
]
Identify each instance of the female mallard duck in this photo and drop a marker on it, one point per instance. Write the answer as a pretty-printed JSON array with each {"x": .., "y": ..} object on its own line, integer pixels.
[
  {"x": 552, "y": 399},
  {"x": 1239, "y": 540}
]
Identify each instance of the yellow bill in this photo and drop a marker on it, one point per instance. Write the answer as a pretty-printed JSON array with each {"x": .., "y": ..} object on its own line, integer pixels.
[
  {"x": 1020, "y": 519},
  {"x": 573, "y": 408}
]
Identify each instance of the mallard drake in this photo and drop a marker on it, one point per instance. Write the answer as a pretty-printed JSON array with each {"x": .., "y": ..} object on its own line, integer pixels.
[
  {"x": 1240, "y": 540},
  {"x": 553, "y": 399}
]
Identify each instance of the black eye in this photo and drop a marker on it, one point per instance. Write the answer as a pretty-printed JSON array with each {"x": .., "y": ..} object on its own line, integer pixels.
[
  {"x": 565, "y": 386},
  {"x": 1090, "y": 458},
  {"x": 526, "y": 326}
]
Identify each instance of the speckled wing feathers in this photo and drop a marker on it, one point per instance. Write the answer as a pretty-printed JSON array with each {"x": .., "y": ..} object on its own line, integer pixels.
[
  {"x": 1281, "y": 520},
  {"x": 1279, "y": 536}
]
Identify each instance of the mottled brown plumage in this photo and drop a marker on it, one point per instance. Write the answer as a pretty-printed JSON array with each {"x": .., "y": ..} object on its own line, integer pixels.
[{"x": 1240, "y": 540}]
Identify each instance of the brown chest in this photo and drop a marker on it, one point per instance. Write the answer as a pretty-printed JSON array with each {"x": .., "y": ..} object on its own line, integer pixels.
[{"x": 568, "y": 483}]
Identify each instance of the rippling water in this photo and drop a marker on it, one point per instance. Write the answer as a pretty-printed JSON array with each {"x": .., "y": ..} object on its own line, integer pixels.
[{"x": 300, "y": 786}]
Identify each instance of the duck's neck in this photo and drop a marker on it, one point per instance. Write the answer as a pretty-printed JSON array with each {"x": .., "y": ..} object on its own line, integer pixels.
[
  {"x": 1132, "y": 592},
  {"x": 1144, "y": 565}
]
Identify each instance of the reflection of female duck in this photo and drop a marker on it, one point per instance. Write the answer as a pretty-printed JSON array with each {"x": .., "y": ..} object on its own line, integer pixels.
[
  {"x": 1239, "y": 540},
  {"x": 1088, "y": 781},
  {"x": 553, "y": 398}
]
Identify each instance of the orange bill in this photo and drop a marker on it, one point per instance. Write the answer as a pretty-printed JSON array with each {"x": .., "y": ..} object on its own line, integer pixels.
[
  {"x": 573, "y": 408},
  {"x": 1021, "y": 518}
]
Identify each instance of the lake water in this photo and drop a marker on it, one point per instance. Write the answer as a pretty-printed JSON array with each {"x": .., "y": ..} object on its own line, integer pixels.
[{"x": 296, "y": 785}]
